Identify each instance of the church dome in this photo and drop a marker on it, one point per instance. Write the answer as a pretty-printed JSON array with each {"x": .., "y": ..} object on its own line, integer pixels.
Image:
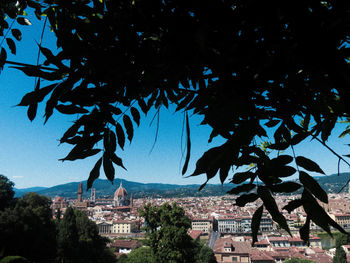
[{"x": 121, "y": 192}]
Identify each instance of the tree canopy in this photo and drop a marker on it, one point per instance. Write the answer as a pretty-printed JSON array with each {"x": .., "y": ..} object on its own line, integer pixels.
[
  {"x": 274, "y": 72},
  {"x": 166, "y": 227}
]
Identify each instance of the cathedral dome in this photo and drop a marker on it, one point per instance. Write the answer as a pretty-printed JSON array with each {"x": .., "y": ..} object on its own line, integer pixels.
[{"x": 121, "y": 192}]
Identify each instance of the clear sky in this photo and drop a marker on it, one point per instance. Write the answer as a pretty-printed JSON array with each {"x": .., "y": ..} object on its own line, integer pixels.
[{"x": 29, "y": 151}]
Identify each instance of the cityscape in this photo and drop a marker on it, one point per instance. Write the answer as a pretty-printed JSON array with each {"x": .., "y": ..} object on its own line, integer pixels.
[{"x": 224, "y": 227}]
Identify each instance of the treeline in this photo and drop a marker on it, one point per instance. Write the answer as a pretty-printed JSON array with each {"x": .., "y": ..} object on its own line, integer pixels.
[{"x": 28, "y": 232}]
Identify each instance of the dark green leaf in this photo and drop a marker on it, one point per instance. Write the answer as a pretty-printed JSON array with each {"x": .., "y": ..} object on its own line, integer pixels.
[
  {"x": 271, "y": 206},
  {"x": 108, "y": 168},
  {"x": 255, "y": 225},
  {"x": 272, "y": 123},
  {"x": 128, "y": 126},
  {"x": 203, "y": 185},
  {"x": 23, "y": 21},
  {"x": 36, "y": 96},
  {"x": 224, "y": 173},
  {"x": 16, "y": 34},
  {"x": 292, "y": 205},
  {"x": 285, "y": 171},
  {"x": 120, "y": 135},
  {"x": 3, "y": 57},
  {"x": 313, "y": 186},
  {"x": 308, "y": 164},
  {"x": 305, "y": 231},
  {"x": 241, "y": 177},
  {"x": 246, "y": 198},
  {"x": 70, "y": 109},
  {"x": 142, "y": 105},
  {"x": 241, "y": 188},
  {"x": 135, "y": 115},
  {"x": 282, "y": 160},
  {"x": 109, "y": 141},
  {"x": 188, "y": 144},
  {"x": 11, "y": 44},
  {"x": 31, "y": 113},
  {"x": 118, "y": 161},
  {"x": 80, "y": 154},
  {"x": 94, "y": 174}
]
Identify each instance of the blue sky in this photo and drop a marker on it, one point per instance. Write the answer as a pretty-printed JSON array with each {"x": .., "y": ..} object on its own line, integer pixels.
[{"x": 29, "y": 151}]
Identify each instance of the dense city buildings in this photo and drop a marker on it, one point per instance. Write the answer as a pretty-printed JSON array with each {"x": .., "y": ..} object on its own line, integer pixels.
[{"x": 215, "y": 220}]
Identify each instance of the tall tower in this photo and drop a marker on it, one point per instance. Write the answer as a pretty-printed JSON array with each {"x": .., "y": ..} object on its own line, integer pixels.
[
  {"x": 80, "y": 193},
  {"x": 131, "y": 201},
  {"x": 93, "y": 195}
]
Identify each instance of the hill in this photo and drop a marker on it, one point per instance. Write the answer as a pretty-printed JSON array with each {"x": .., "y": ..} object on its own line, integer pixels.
[{"x": 104, "y": 188}]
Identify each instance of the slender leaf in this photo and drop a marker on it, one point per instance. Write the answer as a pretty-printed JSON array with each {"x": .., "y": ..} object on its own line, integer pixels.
[{"x": 94, "y": 174}]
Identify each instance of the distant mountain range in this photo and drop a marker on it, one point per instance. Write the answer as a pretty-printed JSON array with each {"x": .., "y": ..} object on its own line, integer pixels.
[{"x": 104, "y": 188}]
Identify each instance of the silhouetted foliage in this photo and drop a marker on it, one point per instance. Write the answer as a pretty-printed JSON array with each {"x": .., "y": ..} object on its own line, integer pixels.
[
  {"x": 6, "y": 192},
  {"x": 28, "y": 230},
  {"x": 340, "y": 256},
  {"x": 166, "y": 226},
  {"x": 274, "y": 73},
  {"x": 14, "y": 259},
  {"x": 78, "y": 240}
]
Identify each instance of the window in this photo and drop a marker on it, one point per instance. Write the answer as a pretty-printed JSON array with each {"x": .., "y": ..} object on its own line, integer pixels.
[{"x": 234, "y": 259}]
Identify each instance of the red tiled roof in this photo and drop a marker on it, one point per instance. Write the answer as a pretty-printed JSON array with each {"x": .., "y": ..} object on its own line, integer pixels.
[{"x": 238, "y": 247}]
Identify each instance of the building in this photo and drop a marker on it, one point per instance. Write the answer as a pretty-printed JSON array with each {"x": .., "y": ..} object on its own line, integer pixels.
[
  {"x": 227, "y": 250},
  {"x": 121, "y": 197},
  {"x": 124, "y": 227},
  {"x": 228, "y": 225},
  {"x": 202, "y": 224},
  {"x": 105, "y": 228},
  {"x": 125, "y": 246}
]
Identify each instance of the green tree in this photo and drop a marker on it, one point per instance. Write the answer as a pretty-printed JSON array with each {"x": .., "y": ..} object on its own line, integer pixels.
[
  {"x": 340, "y": 256},
  {"x": 166, "y": 227},
  {"x": 257, "y": 73},
  {"x": 28, "y": 230},
  {"x": 205, "y": 254},
  {"x": 140, "y": 255},
  {"x": 342, "y": 239},
  {"x": 6, "y": 192},
  {"x": 298, "y": 260},
  {"x": 78, "y": 240}
]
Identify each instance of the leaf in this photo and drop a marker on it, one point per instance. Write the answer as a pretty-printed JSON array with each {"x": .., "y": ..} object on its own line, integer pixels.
[
  {"x": 304, "y": 231},
  {"x": 241, "y": 177},
  {"x": 120, "y": 135},
  {"x": 128, "y": 126},
  {"x": 241, "y": 188},
  {"x": 272, "y": 123},
  {"x": 94, "y": 174},
  {"x": 188, "y": 144},
  {"x": 271, "y": 206},
  {"x": 36, "y": 96},
  {"x": 3, "y": 57},
  {"x": 203, "y": 185},
  {"x": 246, "y": 198},
  {"x": 135, "y": 115},
  {"x": 32, "y": 109},
  {"x": 282, "y": 160},
  {"x": 285, "y": 171},
  {"x": 118, "y": 161},
  {"x": 292, "y": 205},
  {"x": 308, "y": 164},
  {"x": 108, "y": 168},
  {"x": 17, "y": 34},
  {"x": 286, "y": 187},
  {"x": 143, "y": 106},
  {"x": 297, "y": 138},
  {"x": 312, "y": 185},
  {"x": 23, "y": 21},
  {"x": 224, "y": 173},
  {"x": 79, "y": 154},
  {"x": 70, "y": 109},
  {"x": 109, "y": 142},
  {"x": 255, "y": 225},
  {"x": 11, "y": 44}
]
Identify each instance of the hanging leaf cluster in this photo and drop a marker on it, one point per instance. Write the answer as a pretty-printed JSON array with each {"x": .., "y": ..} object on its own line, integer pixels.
[{"x": 275, "y": 72}]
